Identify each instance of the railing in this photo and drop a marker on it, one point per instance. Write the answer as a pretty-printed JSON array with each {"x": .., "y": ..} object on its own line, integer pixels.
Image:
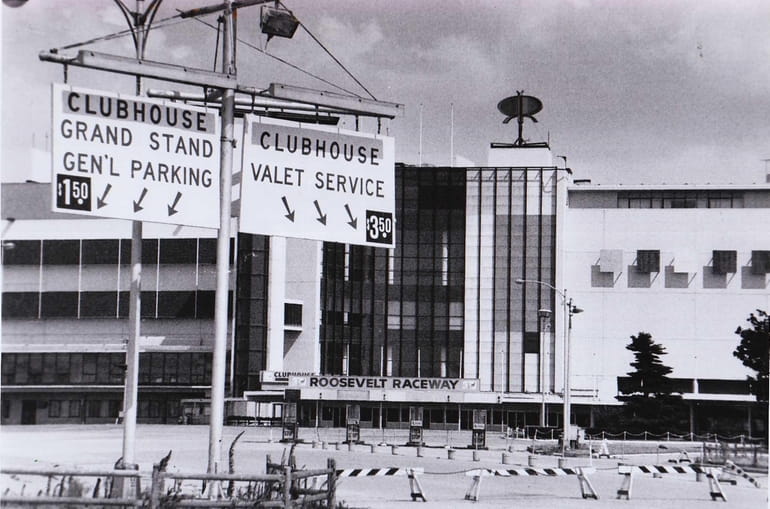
[
  {"x": 669, "y": 436},
  {"x": 282, "y": 487}
]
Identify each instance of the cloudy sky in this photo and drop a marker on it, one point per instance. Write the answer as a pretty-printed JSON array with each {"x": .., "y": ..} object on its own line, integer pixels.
[{"x": 634, "y": 91}]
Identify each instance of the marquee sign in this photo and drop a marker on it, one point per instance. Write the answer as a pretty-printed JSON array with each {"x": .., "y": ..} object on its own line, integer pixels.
[{"x": 387, "y": 383}]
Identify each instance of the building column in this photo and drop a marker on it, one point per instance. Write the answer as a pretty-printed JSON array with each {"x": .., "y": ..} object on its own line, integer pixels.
[
  {"x": 692, "y": 417},
  {"x": 276, "y": 295}
]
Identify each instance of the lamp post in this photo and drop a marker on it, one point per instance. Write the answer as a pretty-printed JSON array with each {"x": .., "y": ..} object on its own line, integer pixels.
[
  {"x": 543, "y": 315},
  {"x": 569, "y": 310}
]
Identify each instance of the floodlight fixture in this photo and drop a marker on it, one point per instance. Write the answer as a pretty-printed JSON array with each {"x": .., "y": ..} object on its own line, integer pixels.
[{"x": 278, "y": 22}]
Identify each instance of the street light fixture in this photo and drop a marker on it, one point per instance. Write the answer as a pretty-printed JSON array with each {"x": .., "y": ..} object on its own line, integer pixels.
[{"x": 569, "y": 310}]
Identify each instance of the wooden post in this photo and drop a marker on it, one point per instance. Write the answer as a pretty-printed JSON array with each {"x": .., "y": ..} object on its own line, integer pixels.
[
  {"x": 155, "y": 488},
  {"x": 331, "y": 484},
  {"x": 286, "y": 488}
]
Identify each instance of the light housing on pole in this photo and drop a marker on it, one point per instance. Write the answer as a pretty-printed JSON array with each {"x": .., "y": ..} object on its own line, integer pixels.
[{"x": 278, "y": 22}]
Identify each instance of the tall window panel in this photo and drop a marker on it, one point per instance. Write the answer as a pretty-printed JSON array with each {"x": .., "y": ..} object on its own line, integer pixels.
[{"x": 396, "y": 321}]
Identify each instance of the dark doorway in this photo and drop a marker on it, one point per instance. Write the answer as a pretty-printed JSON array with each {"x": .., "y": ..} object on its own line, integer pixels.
[{"x": 29, "y": 412}]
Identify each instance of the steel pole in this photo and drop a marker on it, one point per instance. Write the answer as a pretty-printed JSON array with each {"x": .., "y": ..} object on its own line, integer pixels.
[
  {"x": 223, "y": 249},
  {"x": 131, "y": 388},
  {"x": 567, "y": 386},
  {"x": 543, "y": 420}
]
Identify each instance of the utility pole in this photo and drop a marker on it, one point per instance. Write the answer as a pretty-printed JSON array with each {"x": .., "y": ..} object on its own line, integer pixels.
[
  {"x": 227, "y": 113},
  {"x": 138, "y": 22}
]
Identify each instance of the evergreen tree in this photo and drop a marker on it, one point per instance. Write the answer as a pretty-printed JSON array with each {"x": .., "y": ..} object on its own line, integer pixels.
[
  {"x": 753, "y": 352},
  {"x": 649, "y": 401},
  {"x": 650, "y": 374}
]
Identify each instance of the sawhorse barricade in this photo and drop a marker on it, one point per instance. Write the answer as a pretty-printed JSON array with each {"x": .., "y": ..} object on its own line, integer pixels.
[
  {"x": 627, "y": 471},
  {"x": 586, "y": 488},
  {"x": 415, "y": 486},
  {"x": 736, "y": 470}
]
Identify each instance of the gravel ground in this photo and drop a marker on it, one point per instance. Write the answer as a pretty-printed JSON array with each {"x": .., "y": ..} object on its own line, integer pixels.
[{"x": 444, "y": 481}]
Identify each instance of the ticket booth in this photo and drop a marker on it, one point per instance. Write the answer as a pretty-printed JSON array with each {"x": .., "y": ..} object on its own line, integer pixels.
[
  {"x": 415, "y": 425},
  {"x": 353, "y": 424},
  {"x": 479, "y": 437},
  {"x": 289, "y": 423}
]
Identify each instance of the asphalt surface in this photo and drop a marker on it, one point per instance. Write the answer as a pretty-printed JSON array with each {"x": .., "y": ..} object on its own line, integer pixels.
[{"x": 444, "y": 481}]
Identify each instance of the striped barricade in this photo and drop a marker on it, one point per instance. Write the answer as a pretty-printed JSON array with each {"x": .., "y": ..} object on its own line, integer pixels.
[
  {"x": 586, "y": 488},
  {"x": 415, "y": 486},
  {"x": 377, "y": 472},
  {"x": 627, "y": 471},
  {"x": 736, "y": 470}
]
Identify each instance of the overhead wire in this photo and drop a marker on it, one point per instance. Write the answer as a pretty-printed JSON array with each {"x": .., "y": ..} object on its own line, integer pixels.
[
  {"x": 283, "y": 61},
  {"x": 305, "y": 28},
  {"x": 176, "y": 19},
  {"x": 122, "y": 33}
]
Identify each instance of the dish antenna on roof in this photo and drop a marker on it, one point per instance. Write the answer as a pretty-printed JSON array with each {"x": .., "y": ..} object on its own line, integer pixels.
[{"x": 520, "y": 106}]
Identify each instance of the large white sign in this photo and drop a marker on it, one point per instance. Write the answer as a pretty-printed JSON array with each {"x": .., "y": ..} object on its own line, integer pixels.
[
  {"x": 130, "y": 157},
  {"x": 315, "y": 183}
]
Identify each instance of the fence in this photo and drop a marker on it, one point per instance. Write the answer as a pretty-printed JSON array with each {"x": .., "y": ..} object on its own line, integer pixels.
[
  {"x": 745, "y": 455},
  {"x": 668, "y": 436},
  {"x": 283, "y": 486}
]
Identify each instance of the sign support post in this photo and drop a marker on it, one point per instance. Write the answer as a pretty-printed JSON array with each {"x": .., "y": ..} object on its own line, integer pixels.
[
  {"x": 223, "y": 247},
  {"x": 131, "y": 389}
]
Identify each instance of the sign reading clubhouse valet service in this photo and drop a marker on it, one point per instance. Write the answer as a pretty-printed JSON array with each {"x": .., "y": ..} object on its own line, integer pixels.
[{"x": 383, "y": 382}]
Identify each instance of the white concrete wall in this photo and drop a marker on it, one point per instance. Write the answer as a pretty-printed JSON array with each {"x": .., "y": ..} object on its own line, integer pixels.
[
  {"x": 303, "y": 285},
  {"x": 696, "y": 325}
]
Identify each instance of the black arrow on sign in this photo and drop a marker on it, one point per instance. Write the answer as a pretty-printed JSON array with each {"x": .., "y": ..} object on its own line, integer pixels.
[
  {"x": 321, "y": 216},
  {"x": 172, "y": 208},
  {"x": 353, "y": 221},
  {"x": 100, "y": 201},
  {"x": 290, "y": 215},
  {"x": 138, "y": 203}
]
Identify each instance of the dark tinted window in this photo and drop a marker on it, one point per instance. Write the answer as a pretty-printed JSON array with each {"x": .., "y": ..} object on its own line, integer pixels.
[
  {"x": 61, "y": 252},
  {"x": 205, "y": 304},
  {"x": 59, "y": 304},
  {"x": 98, "y": 304},
  {"x": 178, "y": 250},
  {"x": 20, "y": 304},
  {"x": 176, "y": 305},
  {"x": 725, "y": 262},
  {"x": 100, "y": 251},
  {"x": 207, "y": 251},
  {"x": 150, "y": 251},
  {"x": 648, "y": 260},
  {"x": 21, "y": 252}
]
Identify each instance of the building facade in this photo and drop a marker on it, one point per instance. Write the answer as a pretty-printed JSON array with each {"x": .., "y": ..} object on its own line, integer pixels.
[
  {"x": 687, "y": 264},
  {"x": 466, "y": 313}
]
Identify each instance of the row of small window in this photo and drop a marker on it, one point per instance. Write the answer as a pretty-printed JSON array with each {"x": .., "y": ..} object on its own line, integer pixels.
[
  {"x": 627, "y": 385},
  {"x": 687, "y": 199},
  {"x": 105, "y": 368},
  {"x": 110, "y": 251},
  {"x": 648, "y": 260},
  {"x": 98, "y": 408},
  {"x": 165, "y": 304}
]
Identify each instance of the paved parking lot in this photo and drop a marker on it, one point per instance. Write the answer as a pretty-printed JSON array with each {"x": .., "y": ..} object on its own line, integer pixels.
[{"x": 444, "y": 481}]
